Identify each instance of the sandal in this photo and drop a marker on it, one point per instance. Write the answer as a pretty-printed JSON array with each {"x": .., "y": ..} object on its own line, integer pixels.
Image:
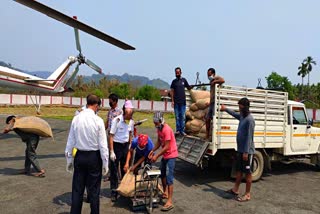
[
  {"x": 167, "y": 208},
  {"x": 164, "y": 196},
  {"x": 40, "y": 174},
  {"x": 243, "y": 198},
  {"x": 230, "y": 191}
]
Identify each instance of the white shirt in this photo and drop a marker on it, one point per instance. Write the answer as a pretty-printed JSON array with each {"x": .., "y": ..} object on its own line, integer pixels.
[
  {"x": 80, "y": 110},
  {"x": 87, "y": 133},
  {"x": 121, "y": 130}
]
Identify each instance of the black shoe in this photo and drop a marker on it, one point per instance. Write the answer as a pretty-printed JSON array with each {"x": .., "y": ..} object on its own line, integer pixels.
[{"x": 114, "y": 196}]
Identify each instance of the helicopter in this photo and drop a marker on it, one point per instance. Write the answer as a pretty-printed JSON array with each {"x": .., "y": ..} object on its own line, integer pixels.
[{"x": 58, "y": 82}]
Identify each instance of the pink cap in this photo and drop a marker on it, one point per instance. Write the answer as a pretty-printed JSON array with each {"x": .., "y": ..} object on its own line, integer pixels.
[{"x": 128, "y": 104}]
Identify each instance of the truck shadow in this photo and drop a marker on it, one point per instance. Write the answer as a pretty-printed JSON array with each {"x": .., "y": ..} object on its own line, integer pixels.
[
  {"x": 279, "y": 168},
  {"x": 191, "y": 175},
  {"x": 38, "y": 156}
]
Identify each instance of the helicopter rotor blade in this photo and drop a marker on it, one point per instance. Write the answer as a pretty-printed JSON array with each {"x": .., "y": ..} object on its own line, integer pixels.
[
  {"x": 76, "y": 33},
  {"x": 93, "y": 66},
  {"x": 74, "y": 23}
]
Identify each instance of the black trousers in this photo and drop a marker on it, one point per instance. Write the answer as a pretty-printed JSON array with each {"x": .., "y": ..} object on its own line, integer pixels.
[
  {"x": 31, "y": 155},
  {"x": 121, "y": 151},
  {"x": 87, "y": 174},
  {"x": 31, "y": 141}
]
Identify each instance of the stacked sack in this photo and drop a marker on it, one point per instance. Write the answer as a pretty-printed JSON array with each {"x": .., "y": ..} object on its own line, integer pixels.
[{"x": 196, "y": 124}]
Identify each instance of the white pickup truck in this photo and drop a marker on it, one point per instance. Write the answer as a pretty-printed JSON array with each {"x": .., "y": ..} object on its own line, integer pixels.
[{"x": 282, "y": 131}]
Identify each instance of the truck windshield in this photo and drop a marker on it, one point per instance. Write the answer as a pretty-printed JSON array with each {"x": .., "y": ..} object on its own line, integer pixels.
[{"x": 299, "y": 116}]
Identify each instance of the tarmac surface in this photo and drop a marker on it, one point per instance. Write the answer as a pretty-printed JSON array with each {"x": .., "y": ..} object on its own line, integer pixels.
[{"x": 290, "y": 189}]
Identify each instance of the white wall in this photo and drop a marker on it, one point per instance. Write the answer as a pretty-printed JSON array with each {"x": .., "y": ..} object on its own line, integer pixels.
[{"x": 18, "y": 99}]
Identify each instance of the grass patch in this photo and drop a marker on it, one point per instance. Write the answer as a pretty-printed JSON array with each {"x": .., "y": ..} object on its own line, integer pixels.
[{"x": 67, "y": 113}]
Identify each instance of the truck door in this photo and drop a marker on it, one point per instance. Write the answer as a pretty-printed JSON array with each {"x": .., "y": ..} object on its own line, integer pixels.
[{"x": 301, "y": 132}]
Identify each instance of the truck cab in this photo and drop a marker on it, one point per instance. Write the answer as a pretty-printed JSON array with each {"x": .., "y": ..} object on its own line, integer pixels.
[{"x": 302, "y": 137}]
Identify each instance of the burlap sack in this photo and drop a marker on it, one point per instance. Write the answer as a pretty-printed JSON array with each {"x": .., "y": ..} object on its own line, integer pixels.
[
  {"x": 34, "y": 125},
  {"x": 193, "y": 107},
  {"x": 203, "y": 103},
  {"x": 194, "y": 125},
  {"x": 127, "y": 185},
  {"x": 189, "y": 115},
  {"x": 203, "y": 129},
  {"x": 199, "y": 94},
  {"x": 200, "y": 114},
  {"x": 201, "y": 135}
]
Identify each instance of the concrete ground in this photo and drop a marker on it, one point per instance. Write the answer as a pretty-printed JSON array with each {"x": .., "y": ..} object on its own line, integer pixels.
[{"x": 291, "y": 189}]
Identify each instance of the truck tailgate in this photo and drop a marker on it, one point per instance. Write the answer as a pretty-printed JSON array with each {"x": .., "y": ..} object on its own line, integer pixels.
[{"x": 191, "y": 149}]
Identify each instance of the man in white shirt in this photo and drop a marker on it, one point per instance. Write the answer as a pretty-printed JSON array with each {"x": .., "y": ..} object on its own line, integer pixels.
[
  {"x": 120, "y": 137},
  {"x": 87, "y": 134}
]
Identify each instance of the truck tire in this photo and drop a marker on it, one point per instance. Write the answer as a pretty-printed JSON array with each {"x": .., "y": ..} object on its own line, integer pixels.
[{"x": 258, "y": 166}]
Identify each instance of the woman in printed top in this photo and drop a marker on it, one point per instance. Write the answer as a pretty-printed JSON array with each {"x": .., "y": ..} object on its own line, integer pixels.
[
  {"x": 169, "y": 153},
  {"x": 142, "y": 145}
]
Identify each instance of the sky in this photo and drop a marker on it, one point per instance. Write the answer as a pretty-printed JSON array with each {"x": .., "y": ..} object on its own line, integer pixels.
[{"x": 243, "y": 40}]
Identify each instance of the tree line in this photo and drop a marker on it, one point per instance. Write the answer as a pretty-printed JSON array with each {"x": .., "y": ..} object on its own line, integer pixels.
[
  {"x": 105, "y": 87},
  {"x": 309, "y": 94}
]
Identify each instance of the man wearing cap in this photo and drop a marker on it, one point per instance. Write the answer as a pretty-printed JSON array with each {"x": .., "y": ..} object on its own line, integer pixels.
[
  {"x": 142, "y": 145},
  {"x": 169, "y": 153},
  {"x": 31, "y": 141},
  {"x": 120, "y": 137},
  {"x": 245, "y": 147}
]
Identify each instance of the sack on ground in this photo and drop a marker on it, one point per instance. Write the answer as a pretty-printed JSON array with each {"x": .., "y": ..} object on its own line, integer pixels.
[
  {"x": 127, "y": 185},
  {"x": 34, "y": 125}
]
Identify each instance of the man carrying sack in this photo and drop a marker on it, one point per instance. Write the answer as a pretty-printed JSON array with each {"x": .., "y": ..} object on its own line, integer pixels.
[{"x": 29, "y": 129}]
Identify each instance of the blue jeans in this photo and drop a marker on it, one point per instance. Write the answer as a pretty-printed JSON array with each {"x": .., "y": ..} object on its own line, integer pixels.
[
  {"x": 180, "y": 114},
  {"x": 167, "y": 168}
]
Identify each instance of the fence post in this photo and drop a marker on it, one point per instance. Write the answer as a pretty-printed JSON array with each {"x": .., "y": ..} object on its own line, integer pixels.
[{"x": 165, "y": 105}]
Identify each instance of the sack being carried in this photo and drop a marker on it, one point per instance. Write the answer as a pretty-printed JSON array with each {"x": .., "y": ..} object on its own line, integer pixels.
[{"x": 34, "y": 125}]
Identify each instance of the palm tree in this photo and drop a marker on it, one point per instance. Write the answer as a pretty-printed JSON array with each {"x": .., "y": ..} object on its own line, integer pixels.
[
  {"x": 308, "y": 64},
  {"x": 302, "y": 71}
]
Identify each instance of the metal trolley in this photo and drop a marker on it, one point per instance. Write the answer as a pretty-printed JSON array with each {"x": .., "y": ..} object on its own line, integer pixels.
[{"x": 146, "y": 192}]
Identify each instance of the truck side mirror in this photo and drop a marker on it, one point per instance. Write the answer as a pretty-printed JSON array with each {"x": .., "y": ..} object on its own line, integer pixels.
[{"x": 310, "y": 122}]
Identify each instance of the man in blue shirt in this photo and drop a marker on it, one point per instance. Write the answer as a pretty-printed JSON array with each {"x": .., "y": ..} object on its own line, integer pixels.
[
  {"x": 178, "y": 100},
  {"x": 142, "y": 145},
  {"x": 245, "y": 147}
]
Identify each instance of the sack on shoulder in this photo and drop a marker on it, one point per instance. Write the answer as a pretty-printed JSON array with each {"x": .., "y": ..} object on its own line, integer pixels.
[{"x": 34, "y": 125}]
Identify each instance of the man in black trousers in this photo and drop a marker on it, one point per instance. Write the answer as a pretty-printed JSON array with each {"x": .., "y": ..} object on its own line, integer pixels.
[{"x": 87, "y": 134}]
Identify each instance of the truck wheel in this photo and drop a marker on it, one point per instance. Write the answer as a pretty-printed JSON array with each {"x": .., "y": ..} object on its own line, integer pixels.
[{"x": 258, "y": 165}]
